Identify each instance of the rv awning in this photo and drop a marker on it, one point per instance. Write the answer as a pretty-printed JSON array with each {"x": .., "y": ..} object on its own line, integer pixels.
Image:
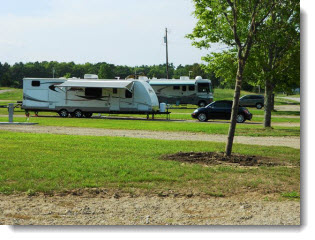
[{"x": 97, "y": 84}]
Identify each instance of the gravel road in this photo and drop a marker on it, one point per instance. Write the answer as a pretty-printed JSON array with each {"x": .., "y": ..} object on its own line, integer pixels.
[
  {"x": 293, "y": 142},
  {"x": 5, "y": 90},
  {"x": 297, "y": 99},
  {"x": 144, "y": 210}
]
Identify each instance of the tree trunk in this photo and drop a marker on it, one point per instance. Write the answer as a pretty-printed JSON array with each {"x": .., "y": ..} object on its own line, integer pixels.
[
  {"x": 268, "y": 103},
  {"x": 237, "y": 93}
]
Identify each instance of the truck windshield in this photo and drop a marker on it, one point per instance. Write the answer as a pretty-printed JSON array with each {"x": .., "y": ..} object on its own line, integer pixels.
[{"x": 204, "y": 87}]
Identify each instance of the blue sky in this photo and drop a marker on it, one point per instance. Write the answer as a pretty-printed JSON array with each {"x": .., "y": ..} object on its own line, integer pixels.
[{"x": 123, "y": 32}]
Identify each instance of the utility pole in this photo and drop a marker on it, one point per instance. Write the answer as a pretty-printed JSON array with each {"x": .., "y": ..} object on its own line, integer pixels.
[{"x": 165, "y": 41}]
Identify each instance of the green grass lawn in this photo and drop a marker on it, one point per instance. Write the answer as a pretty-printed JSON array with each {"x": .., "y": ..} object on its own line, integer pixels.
[
  {"x": 156, "y": 125},
  {"x": 15, "y": 94},
  {"x": 180, "y": 114},
  {"x": 46, "y": 162}
]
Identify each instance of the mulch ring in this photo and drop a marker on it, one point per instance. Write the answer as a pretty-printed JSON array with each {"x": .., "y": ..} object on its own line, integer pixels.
[{"x": 218, "y": 158}]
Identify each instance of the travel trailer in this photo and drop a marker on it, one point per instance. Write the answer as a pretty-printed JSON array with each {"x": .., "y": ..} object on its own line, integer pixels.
[
  {"x": 183, "y": 91},
  {"x": 83, "y": 97}
]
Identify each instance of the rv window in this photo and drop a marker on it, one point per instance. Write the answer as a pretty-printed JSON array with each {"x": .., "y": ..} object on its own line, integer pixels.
[
  {"x": 35, "y": 83},
  {"x": 203, "y": 87},
  {"x": 191, "y": 88},
  {"x": 184, "y": 88},
  {"x": 93, "y": 92},
  {"x": 128, "y": 94},
  {"x": 176, "y": 87},
  {"x": 115, "y": 90}
]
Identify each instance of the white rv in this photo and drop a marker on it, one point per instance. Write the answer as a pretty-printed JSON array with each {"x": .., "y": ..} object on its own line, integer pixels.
[
  {"x": 183, "y": 91},
  {"x": 83, "y": 97}
]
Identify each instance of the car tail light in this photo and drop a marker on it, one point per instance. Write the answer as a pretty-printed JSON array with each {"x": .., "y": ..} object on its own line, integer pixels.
[{"x": 246, "y": 111}]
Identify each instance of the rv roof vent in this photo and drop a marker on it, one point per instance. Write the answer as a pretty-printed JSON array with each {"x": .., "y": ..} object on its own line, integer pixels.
[
  {"x": 184, "y": 78},
  {"x": 90, "y": 76},
  {"x": 198, "y": 78}
]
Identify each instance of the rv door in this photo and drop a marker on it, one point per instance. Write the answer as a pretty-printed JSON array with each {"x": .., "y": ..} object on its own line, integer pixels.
[{"x": 114, "y": 100}]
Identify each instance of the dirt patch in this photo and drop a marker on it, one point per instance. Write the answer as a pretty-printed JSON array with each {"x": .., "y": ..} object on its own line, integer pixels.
[
  {"x": 214, "y": 158},
  {"x": 71, "y": 209}
]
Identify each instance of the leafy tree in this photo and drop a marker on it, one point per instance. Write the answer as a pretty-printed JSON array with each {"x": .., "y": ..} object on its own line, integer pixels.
[
  {"x": 278, "y": 52},
  {"x": 5, "y": 75},
  {"x": 235, "y": 24},
  {"x": 105, "y": 71}
]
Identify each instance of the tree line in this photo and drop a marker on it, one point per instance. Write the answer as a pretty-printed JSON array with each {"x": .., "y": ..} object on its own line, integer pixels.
[
  {"x": 12, "y": 75},
  {"x": 221, "y": 73}
]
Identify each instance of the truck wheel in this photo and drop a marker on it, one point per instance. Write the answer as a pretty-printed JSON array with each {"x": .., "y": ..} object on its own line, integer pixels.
[
  {"x": 259, "y": 105},
  {"x": 202, "y": 104},
  {"x": 202, "y": 117},
  {"x": 78, "y": 113},
  {"x": 88, "y": 114},
  {"x": 240, "y": 118},
  {"x": 63, "y": 113}
]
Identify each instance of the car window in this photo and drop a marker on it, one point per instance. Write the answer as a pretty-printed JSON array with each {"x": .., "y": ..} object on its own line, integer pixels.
[
  {"x": 220, "y": 104},
  {"x": 256, "y": 97},
  {"x": 228, "y": 105}
]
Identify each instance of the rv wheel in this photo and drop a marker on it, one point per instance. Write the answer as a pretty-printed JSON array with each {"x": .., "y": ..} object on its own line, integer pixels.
[
  {"x": 88, "y": 114},
  {"x": 63, "y": 113},
  {"x": 78, "y": 113}
]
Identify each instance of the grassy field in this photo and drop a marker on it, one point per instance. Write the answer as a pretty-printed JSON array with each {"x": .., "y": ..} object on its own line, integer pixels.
[
  {"x": 44, "y": 162},
  {"x": 259, "y": 118},
  {"x": 155, "y": 125},
  {"x": 15, "y": 94}
]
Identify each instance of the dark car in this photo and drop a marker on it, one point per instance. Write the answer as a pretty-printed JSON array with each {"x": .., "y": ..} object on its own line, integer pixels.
[
  {"x": 221, "y": 110},
  {"x": 252, "y": 101}
]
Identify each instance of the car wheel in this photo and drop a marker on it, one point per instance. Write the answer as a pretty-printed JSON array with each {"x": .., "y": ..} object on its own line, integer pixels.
[
  {"x": 63, "y": 113},
  {"x": 202, "y": 117},
  {"x": 88, "y": 114},
  {"x": 259, "y": 106},
  {"x": 78, "y": 113},
  {"x": 202, "y": 104},
  {"x": 240, "y": 118}
]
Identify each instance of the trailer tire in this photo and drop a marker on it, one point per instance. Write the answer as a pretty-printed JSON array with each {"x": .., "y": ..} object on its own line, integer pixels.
[
  {"x": 78, "y": 113},
  {"x": 88, "y": 114},
  {"x": 63, "y": 113}
]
